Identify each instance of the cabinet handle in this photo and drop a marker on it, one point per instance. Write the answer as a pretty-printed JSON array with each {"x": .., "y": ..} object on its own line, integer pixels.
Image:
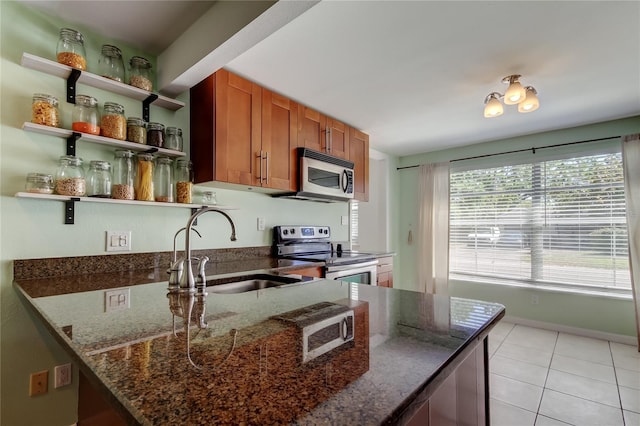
[
  {"x": 266, "y": 157},
  {"x": 259, "y": 156},
  {"x": 329, "y": 139}
]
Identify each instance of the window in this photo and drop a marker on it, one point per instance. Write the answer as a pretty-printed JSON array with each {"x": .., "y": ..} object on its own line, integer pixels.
[{"x": 559, "y": 223}]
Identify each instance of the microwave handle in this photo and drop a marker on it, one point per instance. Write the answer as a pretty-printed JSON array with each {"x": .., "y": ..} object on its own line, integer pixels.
[{"x": 345, "y": 181}]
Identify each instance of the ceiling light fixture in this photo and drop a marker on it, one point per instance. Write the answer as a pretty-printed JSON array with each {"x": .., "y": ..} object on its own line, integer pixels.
[{"x": 525, "y": 97}]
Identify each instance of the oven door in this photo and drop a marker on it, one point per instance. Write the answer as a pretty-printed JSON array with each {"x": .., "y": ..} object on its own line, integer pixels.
[{"x": 360, "y": 273}]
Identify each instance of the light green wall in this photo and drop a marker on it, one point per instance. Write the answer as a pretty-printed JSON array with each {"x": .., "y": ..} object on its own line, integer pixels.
[
  {"x": 34, "y": 228},
  {"x": 580, "y": 311}
]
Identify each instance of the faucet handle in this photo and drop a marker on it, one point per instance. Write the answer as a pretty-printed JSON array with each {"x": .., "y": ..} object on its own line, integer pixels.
[
  {"x": 175, "y": 273},
  {"x": 202, "y": 277}
]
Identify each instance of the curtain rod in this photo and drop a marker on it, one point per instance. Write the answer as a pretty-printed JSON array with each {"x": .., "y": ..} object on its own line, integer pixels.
[{"x": 532, "y": 149}]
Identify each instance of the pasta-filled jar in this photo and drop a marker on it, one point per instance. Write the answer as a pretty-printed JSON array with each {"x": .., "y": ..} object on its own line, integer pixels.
[
  {"x": 163, "y": 186},
  {"x": 136, "y": 130},
  {"x": 140, "y": 73},
  {"x": 184, "y": 180},
  {"x": 70, "y": 178},
  {"x": 111, "y": 63},
  {"x": 113, "y": 123},
  {"x": 99, "y": 179},
  {"x": 123, "y": 175},
  {"x": 85, "y": 116},
  {"x": 144, "y": 177},
  {"x": 70, "y": 50},
  {"x": 44, "y": 110}
]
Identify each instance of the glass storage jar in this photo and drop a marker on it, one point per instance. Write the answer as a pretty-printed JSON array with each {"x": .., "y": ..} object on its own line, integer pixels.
[
  {"x": 136, "y": 130},
  {"x": 85, "y": 116},
  {"x": 70, "y": 178},
  {"x": 123, "y": 175},
  {"x": 113, "y": 124},
  {"x": 99, "y": 179},
  {"x": 144, "y": 177},
  {"x": 209, "y": 198},
  {"x": 70, "y": 50},
  {"x": 140, "y": 73},
  {"x": 39, "y": 183},
  {"x": 173, "y": 138},
  {"x": 163, "y": 186},
  {"x": 111, "y": 64},
  {"x": 44, "y": 110},
  {"x": 155, "y": 134},
  {"x": 184, "y": 181}
]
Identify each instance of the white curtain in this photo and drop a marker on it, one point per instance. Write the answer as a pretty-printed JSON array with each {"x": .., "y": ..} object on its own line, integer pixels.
[
  {"x": 433, "y": 229},
  {"x": 631, "y": 164}
]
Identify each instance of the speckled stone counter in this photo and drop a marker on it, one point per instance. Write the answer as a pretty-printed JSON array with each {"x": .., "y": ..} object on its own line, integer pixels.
[{"x": 246, "y": 367}]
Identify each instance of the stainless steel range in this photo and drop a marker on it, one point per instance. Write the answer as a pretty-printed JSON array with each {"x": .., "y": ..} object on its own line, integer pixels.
[{"x": 314, "y": 243}]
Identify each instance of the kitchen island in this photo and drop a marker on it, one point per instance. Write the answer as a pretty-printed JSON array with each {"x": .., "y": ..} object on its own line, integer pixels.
[{"x": 411, "y": 353}]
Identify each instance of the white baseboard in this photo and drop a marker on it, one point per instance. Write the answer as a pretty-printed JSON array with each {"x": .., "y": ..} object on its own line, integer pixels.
[{"x": 595, "y": 334}]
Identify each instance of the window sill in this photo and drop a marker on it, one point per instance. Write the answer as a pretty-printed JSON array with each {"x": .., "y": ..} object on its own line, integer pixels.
[{"x": 618, "y": 294}]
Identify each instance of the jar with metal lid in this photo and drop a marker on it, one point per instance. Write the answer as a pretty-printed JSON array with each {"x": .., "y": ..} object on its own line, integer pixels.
[
  {"x": 113, "y": 123},
  {"x": 140, "y": 73},
  {"x": 173, "y": 138},
  {"x": 184, "y": 180},
  {"x": 123, "y": 175},
  {"x": 111, "y": 64},
  {"x": 85, "y": 117},
  {"x": 70, "y": 178},
  {"x": 99, "y": 179},
  {"x": 155, "y": 134},
  {"x": 44, "y": 110},
  {"x": 39, "y": 183},
  {"x": 136, "y": 130},
  {"x": 70, "y": 50},
  {"x": 144, "y": 177},
  {"x": 163, "y": 185},
  {"x": 209, "y": 198}
]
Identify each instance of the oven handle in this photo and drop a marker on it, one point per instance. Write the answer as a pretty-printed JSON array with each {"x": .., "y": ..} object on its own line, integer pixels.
[{"x": 338, "y": 268}]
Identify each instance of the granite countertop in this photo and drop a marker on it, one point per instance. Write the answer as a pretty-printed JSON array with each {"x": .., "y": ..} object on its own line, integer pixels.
[{"x": 248, "y": 366}]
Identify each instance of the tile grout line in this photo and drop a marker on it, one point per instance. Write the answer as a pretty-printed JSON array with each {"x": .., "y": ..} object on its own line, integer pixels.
[
  {"x": 544, "y": 385},
  {"x": 615, "y": 374}
]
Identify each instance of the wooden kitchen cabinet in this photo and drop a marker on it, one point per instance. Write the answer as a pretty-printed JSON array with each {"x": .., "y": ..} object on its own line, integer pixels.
[
  {"x": 359, "y": 155},
  {"x": 320, "y": 133},
  {"x": 385, "y": 271},
  {"x": 242, "y": 133}
]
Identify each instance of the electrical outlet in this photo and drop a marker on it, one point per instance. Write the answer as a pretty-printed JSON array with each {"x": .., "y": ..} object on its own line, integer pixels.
[
  {"x": 39, "y": 383},
  {"x": 62, "y": 375},
  {"x": 118, "y": 241},
  {"x": 117, "y": 300},
  {"x": 261, "y": 224},
  {"x": 344, "y": 220}
]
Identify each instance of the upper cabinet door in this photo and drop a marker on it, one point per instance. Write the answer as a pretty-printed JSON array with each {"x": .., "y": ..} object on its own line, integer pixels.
[
  {"x": 338, "y": 139},
  {"x": 359, "y": 154},
  {"x": 311, "y": 129},
  {"x": 237, "y": 128},
  {"x": 279, "y": 141}
]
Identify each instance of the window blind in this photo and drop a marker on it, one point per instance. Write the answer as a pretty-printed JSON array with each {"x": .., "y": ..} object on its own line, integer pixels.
[{"x": 556, "y": 222}]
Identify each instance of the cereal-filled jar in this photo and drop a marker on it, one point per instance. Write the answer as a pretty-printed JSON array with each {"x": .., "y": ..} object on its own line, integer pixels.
[
  {"x": 136, "y": 130},
  {"x": 70, "y": 177},
  {"x": 140, "y": 73},
  {"x": 123, "y": 175},
  {"x": 184, "y": 180},
  {"x": 70, "y": 50},
  {"x": 144, "y": 177},
  {"x": 113, "y": 123},
  {"x": 44, "y": 110},
  {"x": 85, "y": 117}
]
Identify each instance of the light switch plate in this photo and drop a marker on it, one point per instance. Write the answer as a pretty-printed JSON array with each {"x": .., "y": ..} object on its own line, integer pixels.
[
  {"x": 117, "y": 300},
  {"x": 345, "y": 220},
  {"x": 118, "y": 241}
]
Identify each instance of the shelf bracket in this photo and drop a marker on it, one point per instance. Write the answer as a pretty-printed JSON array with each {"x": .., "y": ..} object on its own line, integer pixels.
[
  {"x": 151, "y": 151},
  {"x": 145, "y": 106},
  {"x": 71, "y": 143},
  {"x": 71, "y": 85},
  {"x": 70, "y": 210}
]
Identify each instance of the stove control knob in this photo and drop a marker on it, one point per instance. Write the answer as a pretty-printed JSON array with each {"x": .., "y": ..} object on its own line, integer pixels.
[
  {"x": 285, "y": 232},
  {"x": 293, "y": 230}
]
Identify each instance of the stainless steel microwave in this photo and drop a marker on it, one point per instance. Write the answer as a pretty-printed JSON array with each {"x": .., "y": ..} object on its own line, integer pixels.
[{"x": 323, "y": 177}]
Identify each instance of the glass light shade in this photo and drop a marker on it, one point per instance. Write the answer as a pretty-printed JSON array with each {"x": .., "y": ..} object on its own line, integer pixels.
[
  {"x": 493, "y": 108},
  {"x": 515, "y": 93},
  {"x": 530, "y": 103}
]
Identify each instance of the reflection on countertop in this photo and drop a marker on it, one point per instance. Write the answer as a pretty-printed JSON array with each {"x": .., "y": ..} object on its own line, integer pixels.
[{"x": 255, "y": 375}]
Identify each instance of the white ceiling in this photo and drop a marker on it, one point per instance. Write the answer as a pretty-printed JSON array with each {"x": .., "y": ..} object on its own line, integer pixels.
[{"x": 414, "y": 75}]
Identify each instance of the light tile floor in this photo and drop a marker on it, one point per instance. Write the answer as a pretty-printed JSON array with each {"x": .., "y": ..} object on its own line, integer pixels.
[{"x": 540, "y": 377}]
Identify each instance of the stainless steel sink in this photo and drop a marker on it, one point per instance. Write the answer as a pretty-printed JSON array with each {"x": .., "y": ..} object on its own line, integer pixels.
[{"x": 247, "y": 283}]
